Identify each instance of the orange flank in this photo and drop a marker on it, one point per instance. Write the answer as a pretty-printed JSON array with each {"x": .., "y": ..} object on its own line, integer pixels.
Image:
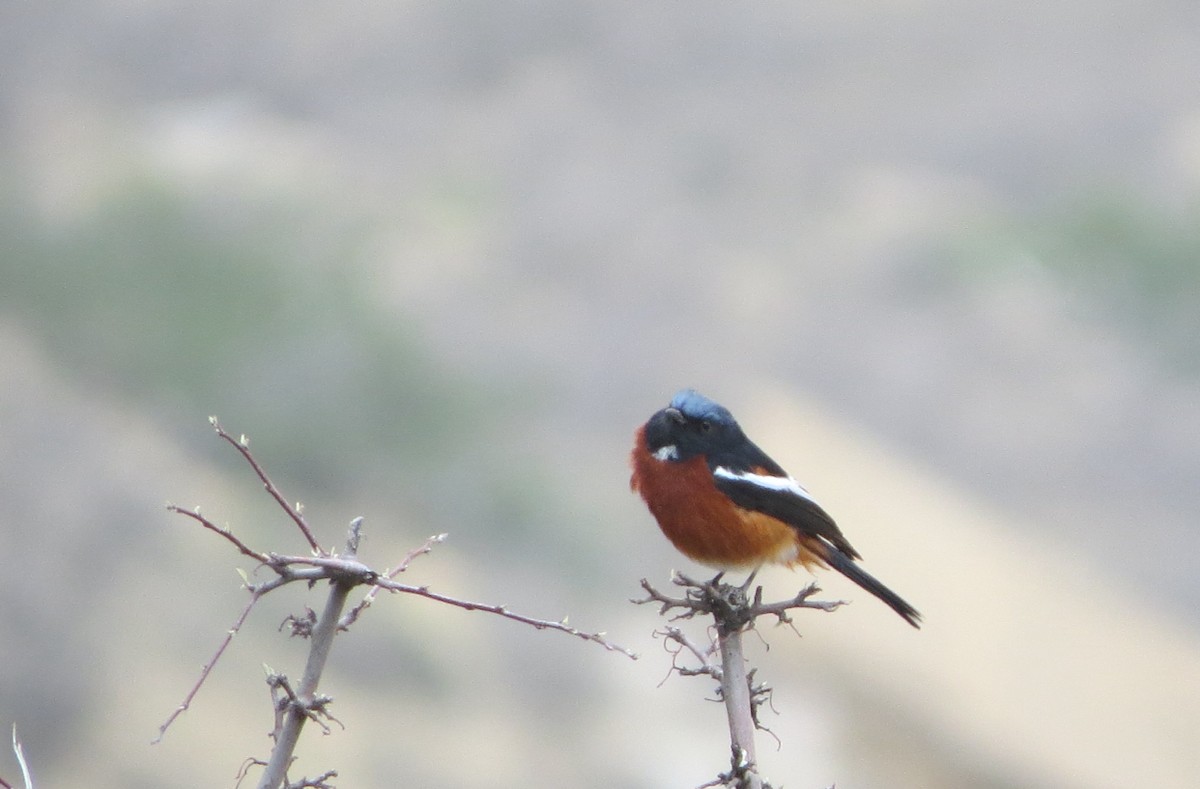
[{"x": 706, "y": 526}]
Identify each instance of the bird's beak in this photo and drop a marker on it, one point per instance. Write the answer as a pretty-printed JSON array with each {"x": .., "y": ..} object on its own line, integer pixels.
[{"x": 675, "y": 415}]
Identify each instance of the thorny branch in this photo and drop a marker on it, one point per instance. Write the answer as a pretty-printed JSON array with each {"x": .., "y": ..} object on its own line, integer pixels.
[
  {"x": 729, "y": 604},
  {"x": 344, "y": 572},
  {"x": 733, "y": 614}
]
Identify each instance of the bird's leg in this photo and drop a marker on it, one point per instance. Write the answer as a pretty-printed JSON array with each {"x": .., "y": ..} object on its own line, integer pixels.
[{"x": 750, "y": 579}]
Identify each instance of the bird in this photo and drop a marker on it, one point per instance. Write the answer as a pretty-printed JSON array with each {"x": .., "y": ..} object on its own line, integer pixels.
[{"x": 726, "y": 504}]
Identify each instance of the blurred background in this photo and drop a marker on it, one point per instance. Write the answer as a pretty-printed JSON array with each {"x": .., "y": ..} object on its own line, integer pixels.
[{"x": 438, "y": 261}]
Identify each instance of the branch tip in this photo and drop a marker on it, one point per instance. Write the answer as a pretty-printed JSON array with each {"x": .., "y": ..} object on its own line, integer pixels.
[{"x": 734, "y": 611}]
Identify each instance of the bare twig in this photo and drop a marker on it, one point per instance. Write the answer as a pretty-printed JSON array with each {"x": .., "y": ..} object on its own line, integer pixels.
[
  {"x": 242, "y": 445},
  {"x": 226, "y": 533},
  {"x": 208, "y": 667},
  {"x": 421, "y": 550},
  {"x": 500, "y": 610},
  {"x": 690, "y": 607},
  {"x": 761, "y": 693},
  {"x": 675, "y": 636},
  {"x": 244, "y": 770},
  {"x": 801, "y": 600},
  {"x": 320, "y": 782}
]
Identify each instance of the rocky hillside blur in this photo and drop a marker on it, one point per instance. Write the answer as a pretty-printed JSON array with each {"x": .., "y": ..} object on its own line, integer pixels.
[{"x": 439, "y": 262}]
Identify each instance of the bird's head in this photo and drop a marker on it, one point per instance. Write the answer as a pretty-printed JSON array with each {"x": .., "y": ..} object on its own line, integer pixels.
[{"x": 691, "y": 425}]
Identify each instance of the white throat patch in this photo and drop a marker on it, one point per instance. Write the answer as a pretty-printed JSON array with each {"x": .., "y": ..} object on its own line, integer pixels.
[{"x": 669, "y": 452}]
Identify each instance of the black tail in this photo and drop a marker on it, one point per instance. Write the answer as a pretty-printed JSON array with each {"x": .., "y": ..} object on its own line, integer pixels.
[{"x": 846, "y": 566}]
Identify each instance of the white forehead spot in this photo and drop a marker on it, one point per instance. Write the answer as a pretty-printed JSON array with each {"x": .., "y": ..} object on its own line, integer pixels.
[{"x": 669, "y": 452}]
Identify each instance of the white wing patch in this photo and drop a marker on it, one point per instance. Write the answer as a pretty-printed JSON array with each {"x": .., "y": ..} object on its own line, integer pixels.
[
  {"x": 767, "y": 481},
  {"x": 669, "y": 452}
]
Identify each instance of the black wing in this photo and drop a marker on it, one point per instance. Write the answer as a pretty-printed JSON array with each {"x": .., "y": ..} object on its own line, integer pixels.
[{"x": 778, "y": 495}]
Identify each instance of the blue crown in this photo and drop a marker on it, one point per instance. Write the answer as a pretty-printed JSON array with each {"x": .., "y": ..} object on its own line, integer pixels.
[{"x": 694, "y": 405}]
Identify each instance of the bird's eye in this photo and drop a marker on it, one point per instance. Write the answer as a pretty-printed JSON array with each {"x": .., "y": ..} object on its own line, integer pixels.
[{"x": 705, "y": 426}]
